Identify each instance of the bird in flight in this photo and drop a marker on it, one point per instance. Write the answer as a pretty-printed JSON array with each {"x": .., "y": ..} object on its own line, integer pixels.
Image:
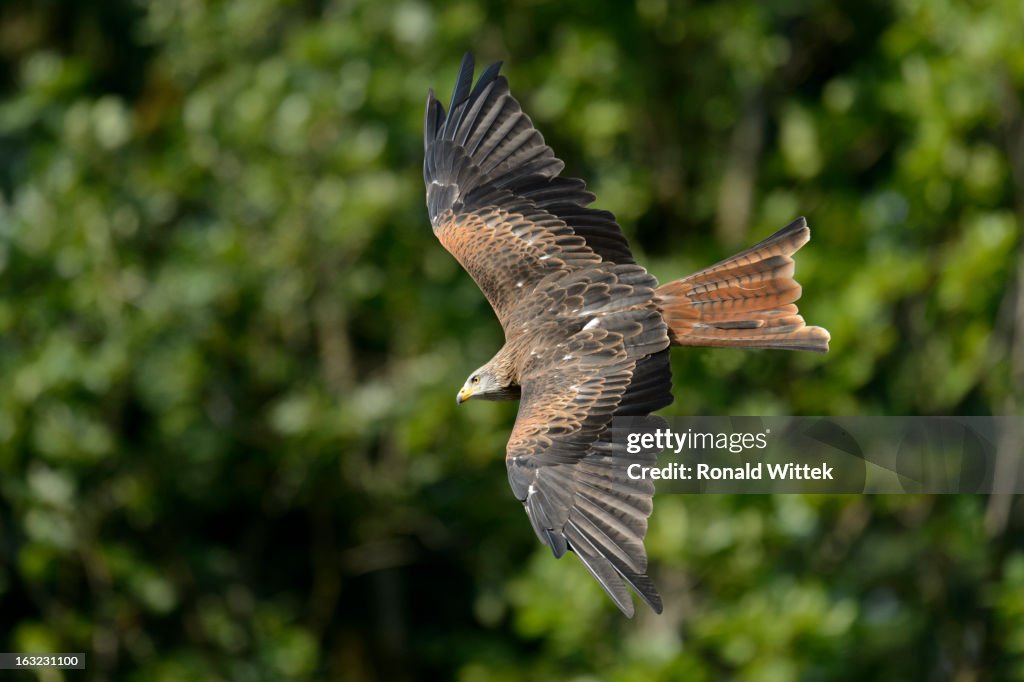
[{"x": 587, "y": 329}]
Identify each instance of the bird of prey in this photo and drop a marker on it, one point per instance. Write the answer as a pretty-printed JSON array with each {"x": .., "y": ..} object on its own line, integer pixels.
[{"x": 587, "y": 329}]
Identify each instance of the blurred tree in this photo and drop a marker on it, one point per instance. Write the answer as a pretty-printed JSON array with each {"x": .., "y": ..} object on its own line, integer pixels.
[{"x": 229, "y": 341}]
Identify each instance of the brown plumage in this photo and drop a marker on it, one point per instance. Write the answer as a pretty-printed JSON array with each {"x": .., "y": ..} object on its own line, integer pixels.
[{"x": 587, "y": 330}]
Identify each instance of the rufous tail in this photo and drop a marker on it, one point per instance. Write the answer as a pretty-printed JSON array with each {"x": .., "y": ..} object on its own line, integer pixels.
[{"x": 746, "y": 301}]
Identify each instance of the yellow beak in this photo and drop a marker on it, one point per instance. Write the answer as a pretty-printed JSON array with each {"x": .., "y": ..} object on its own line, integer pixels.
[{"x": 464, "y": 394}]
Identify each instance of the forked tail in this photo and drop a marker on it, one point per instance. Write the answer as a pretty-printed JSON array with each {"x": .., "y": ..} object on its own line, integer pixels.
[{"x": 746, "y": 301}]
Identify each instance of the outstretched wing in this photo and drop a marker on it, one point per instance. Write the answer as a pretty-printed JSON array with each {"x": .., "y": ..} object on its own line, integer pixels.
[
  {"x": 562, "y": 462},
  {"x": 495, "y": 199}
]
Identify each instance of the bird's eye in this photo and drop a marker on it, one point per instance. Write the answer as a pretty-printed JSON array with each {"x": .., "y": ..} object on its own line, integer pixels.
[{"x": 476, "y": 380}]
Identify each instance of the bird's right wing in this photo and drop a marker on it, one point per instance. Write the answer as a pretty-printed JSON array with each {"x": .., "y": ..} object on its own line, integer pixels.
[{"x": 495, "y": 199}]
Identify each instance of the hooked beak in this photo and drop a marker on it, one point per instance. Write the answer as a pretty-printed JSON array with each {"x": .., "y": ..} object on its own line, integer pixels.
[{"x": 463, "y": 396}]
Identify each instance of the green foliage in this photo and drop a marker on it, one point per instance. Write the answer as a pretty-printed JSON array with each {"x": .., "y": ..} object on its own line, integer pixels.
[{"x": 230, "y": 345}]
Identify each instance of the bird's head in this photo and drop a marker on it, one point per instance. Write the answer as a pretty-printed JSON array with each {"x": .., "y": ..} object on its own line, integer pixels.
[{"x": 486, "y": 384}]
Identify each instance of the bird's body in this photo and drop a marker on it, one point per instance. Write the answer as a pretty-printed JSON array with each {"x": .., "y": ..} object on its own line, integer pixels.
[{"x": 587, "y": 330}]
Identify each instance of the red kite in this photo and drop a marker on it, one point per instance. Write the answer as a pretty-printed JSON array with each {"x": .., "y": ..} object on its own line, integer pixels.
[{"x": 587, "y": 330}]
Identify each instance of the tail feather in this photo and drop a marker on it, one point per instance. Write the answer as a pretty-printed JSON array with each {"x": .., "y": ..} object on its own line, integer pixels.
[{"x": 746, "y": 301}]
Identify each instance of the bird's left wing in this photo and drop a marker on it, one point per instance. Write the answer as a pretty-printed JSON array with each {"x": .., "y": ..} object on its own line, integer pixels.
[{"x": 563, "y": 463}]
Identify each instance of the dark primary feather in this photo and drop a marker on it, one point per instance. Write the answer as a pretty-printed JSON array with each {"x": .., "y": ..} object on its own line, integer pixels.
[
  {"x": 486, "y": 141},
  {"x": 460, "y": 94}
]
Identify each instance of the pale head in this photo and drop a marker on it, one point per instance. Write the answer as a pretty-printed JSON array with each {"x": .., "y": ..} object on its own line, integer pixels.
[{"x": 486, "y": 384}]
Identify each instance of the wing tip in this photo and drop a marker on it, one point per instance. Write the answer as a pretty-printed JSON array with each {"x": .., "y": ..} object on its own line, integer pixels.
[
  {"x": 463, "y": 80},
  {"x": 464, "y": 88},
  {"x": 433, "y": 118}
]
